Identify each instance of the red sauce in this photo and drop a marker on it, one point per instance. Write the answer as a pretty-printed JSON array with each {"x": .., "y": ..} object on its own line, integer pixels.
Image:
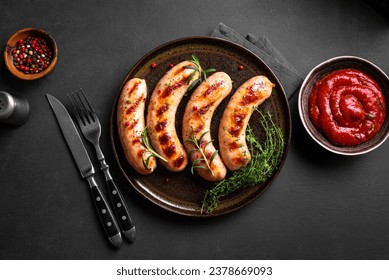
[{"x": 347, "y": 106}]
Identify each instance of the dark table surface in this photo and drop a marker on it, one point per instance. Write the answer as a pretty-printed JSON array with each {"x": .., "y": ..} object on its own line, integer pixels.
[{"x": 321, "y": 206}]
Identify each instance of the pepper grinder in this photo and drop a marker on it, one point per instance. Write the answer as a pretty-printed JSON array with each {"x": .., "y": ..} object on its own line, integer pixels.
[{"x": 14, "y": 111}]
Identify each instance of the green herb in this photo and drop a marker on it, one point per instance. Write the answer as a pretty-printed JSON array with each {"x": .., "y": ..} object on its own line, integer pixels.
[
  {"x": 198, "y": 69},
  {"x": 149, "y": 149},
  {"x": 198, "y": 143},
  {"x": 265, "y": 158}
]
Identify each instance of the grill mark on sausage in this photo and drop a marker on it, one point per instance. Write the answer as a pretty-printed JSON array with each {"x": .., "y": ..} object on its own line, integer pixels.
[
  {"x": 237, "y": 120},
  {"x": 251, "y": 95},
  {"x": 234, "y": 145},
  {"x": 249, "y": 98},
  {"x": 168, "y": 146},
  {"x": 198, "y": 128},
  {"x": 140, "y": 153},
  {"x": 136, "y": 141},
  {"x": 162, "y": 109},
  {"x": 165, "y": 139},
  {"x": 179, "y": 71},
  {"x": 135, "y": 105},
  {"x": 203, "y": 110},
  {"x": 134, "y": 88},
  {"x": 239, "y": 160},
  {"x": 212, "y": 88},
  {"x": 161, "y": 125},
  {"x": 208, "y": 154},
  {"x": 168, "y": 90},
  {"x": 170, "y": 150},
  {"x": 179, "y": 161},
  {"x": 133, "y": 124}
]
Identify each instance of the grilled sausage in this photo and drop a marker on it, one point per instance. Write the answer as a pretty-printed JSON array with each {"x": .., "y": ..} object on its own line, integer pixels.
[
  {"x": 197, "y": 121},
  {"x": 232, "y": 128},
  {"x": 161, "y": 115},
  {"x": 131, "y": 124}
]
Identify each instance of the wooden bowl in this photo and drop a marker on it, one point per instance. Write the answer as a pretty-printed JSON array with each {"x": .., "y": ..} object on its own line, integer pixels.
[
  {"x": 12, "y": 43},
  {"x": 321, "y": 70}
]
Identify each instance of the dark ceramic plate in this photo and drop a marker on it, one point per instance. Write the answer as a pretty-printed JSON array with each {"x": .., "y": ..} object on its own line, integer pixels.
[
  {"x": 183, "y": 192},
  {"x": 323, "y": 69}
]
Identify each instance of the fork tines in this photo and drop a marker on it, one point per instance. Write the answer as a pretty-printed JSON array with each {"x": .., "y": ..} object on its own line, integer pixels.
[{"x": 82, "y": 108}]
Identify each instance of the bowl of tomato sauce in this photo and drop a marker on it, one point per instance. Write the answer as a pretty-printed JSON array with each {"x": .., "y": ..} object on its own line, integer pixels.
[{"x": 343, "y": 105}]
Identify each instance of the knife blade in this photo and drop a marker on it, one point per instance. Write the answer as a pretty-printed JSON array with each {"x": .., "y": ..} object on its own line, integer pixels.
[{"x": 86, "y": 169}]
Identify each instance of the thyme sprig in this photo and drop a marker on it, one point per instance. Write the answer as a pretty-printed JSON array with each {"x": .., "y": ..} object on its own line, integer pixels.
[
  {"x": 200, "y": 147},
  {"x": 198, "y": 69},
  {"x": 265, "y": 158},
  {"x": 149, "y": 149}
]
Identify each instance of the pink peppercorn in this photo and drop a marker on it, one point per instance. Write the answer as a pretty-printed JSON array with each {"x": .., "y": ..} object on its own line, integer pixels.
[{"x": 31, "y": 55}]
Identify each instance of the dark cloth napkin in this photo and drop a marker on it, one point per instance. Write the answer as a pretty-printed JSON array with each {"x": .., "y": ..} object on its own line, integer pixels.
[{"x": 261, "y": 46}]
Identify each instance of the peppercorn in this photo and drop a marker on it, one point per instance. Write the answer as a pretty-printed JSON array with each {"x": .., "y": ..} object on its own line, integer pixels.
[{"x": 31, "y": 55}]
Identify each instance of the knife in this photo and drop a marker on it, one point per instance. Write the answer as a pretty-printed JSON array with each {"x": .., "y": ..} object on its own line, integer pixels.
[{"x": 86, "y": 169}]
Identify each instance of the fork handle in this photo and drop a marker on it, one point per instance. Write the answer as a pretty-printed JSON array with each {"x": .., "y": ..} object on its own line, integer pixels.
[
  {"x": 123, "y": 214},
  {"x": 105, "y": 214}
]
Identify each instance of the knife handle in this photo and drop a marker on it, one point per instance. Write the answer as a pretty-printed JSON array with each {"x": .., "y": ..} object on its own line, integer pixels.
[
  {"x": 105, "y": 214},
  {"x": 123, "y": 214}
]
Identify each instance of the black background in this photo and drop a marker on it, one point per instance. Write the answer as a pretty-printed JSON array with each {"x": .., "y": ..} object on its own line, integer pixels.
[{"x": 321, "y": 206}]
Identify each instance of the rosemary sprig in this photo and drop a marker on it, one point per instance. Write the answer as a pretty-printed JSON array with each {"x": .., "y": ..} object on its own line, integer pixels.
[
  {"x": 148, "y": 149},
  {"x": 198, "y": 69},
  {"x": 265, "y": 158},
  {"x": 198, "y": 143}
]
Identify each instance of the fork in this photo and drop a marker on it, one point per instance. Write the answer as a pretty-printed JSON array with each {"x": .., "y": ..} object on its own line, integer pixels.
[{"x": 91, "y": 129}]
